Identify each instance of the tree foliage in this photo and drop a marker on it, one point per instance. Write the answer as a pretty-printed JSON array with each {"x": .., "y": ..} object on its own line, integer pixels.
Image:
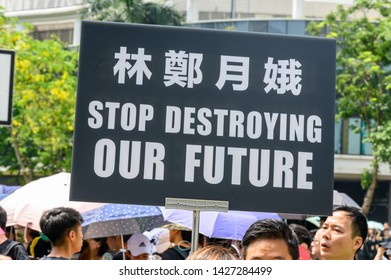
[
  {"x": 40, "y": 138},
  {"x": 135, "y": 11},
  {"x": 363, "y": 36}
]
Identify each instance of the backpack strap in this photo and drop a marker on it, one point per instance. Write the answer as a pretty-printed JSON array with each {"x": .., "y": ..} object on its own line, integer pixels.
[{"x": 12, "y": 245}]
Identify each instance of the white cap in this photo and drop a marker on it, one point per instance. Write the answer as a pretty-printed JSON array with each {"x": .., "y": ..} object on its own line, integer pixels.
[{"x": 139, "y": 244}]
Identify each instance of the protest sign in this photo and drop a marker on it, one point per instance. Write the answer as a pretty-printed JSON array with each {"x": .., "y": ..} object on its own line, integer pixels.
[
  {"x": 202, "y": 114},
  {"x": 7, "y": 58}
]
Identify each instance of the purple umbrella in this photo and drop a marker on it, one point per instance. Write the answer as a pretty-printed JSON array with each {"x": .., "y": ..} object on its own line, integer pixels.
[
  {"x": 228, "y": 225},
  {"x": 7, "y": 190}
]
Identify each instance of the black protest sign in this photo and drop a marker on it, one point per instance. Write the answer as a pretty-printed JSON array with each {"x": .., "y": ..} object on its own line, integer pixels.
[{"x": 200, "y": 114}]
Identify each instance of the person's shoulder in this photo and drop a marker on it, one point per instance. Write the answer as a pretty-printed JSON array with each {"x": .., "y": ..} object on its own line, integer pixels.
[
  {"x": 14, "y": 249},
  {"x": 175, "y": 253}
]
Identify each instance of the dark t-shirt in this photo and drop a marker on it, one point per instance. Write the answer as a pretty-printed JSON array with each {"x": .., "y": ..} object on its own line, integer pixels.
[
  {"x": 14, "y": 250},
  {"x": 369, "y": 250},
  {"x": 176, "y": 253},
  {"x": 46, "y": 258},
  {"x": 118, "y": 256},
  {"x": 38, "y": 248}
]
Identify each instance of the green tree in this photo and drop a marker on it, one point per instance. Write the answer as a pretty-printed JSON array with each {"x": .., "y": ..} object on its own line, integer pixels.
[
  {"x": 40, "y": 138},
  {"x": 364, "y": 77},
  {"x": 135, "y": 11}
]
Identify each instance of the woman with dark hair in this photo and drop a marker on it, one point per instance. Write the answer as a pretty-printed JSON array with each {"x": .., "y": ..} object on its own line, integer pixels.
[{"x": 98, "y": 247}]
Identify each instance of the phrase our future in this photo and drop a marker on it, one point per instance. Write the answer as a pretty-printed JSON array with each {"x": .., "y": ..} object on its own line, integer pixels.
[{"x": 147, "y": 159}]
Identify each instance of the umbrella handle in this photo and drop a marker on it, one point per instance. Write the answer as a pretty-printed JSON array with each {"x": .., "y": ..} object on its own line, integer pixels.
[
  {"x": 196, "y": 229},
  {"x": 123, "y": 246}
]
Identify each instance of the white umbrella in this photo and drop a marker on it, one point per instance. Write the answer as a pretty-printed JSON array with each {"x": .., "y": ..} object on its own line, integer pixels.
[
  {"x": 25, "y": 206},
  {"x": 375, "y": 225}
]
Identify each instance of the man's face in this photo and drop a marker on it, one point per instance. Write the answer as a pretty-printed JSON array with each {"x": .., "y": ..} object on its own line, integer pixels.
[
  {"x": 337, "y": 242},
  {"x": 77, "y": 239},
  {"x": 268, "y": 249},
  {"x": 315, "y": 245}
]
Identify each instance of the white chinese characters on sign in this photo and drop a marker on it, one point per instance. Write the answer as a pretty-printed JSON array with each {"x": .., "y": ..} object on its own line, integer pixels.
[
  {"x": 239, "y": 71},
  {"x": 184, "y": 69},
  {"x": 139, "y": 67},
  {"x": 283, "y": 76}
]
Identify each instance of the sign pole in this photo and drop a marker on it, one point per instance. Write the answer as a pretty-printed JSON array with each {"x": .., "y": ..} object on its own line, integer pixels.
[
  {"x": 196, "y": 230},
  {"x": 196, "y": 206}
]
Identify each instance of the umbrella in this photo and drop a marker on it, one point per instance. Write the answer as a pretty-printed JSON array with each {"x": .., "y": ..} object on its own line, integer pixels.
[
  {"x": 120, "y": 219},
  {"x": 7, "y": 190},
  {"x": 342, "y": 199},
  {"x": 315, "y": 220},
  {"x": 339, "y": 199},
  {"x": 25, "y": 206},
  {"x": 375, "y": 225},
  {"x": 228, "y": 225}
]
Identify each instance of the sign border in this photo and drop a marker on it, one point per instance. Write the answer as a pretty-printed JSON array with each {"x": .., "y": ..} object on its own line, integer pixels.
[{"x": 8, "y": 121}]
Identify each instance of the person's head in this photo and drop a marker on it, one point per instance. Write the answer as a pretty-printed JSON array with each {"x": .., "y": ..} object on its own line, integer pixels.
[
  {"x": 270, "y": 240},
  {"x": 3, "y": 218},
  {"x": 343, "y": 234},
  {"x": 85, "y": 252},
  {"x": 315, "y": 245},
  {"x": 62, "y": 225},
  {"x": 179, "y": 234},
  {"x": 116, "y": 242},
  {"x": 303, "y": 235},
  {"x": 371, "y": 232},
  {"x": 98, "y": 246},
  {"x": 139, "y": 246},
  {"x": 214, "y": 252}
]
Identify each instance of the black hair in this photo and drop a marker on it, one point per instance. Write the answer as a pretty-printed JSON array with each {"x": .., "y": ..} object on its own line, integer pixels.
[
  {"x": 56, "y": 223},
  {"x": 3, "y": 218},
  {"x": 302, "y": 233},
  {"x": 271, "y": 229},
  {"x": 104, "y": 247},
  {"x": 186, "y": 235},
  {"x": 359, "y": 221}
]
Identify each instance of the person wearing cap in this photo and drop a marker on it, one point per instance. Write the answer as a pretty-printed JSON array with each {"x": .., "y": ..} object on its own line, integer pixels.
[
  {"x": 139, "y": 247},
  {"x": 180, "y": 237}
]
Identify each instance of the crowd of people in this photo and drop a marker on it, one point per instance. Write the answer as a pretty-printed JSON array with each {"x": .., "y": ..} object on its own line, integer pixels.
[{"x": 342, "y": 236}]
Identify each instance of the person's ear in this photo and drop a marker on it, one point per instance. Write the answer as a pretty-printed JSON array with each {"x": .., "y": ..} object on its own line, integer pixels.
[
  {"x": 72, "y": 234},
  {"x": 357, "y": 242}
]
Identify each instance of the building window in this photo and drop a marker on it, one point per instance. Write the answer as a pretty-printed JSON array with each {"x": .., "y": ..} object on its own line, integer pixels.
[
  {"x": 63, "y": 31},
  {"x": 277, "y": 26}
]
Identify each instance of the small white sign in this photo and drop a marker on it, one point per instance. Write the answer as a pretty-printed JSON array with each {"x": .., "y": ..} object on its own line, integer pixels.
[{"x": 7, "y": 59}]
